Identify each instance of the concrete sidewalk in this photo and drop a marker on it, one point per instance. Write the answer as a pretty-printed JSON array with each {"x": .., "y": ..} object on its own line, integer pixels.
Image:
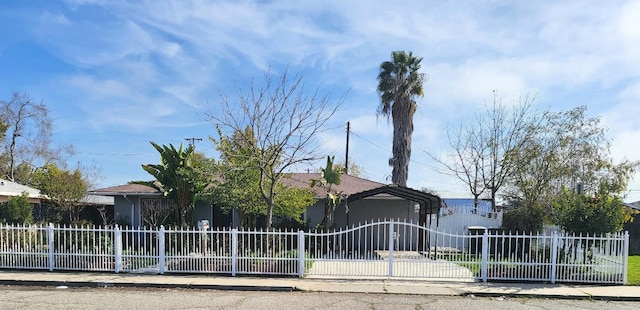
[{"x": 382, "y": 286}]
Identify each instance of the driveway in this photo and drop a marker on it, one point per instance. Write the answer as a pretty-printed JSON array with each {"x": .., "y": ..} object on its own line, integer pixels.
[{"x": 411, "y": 265}]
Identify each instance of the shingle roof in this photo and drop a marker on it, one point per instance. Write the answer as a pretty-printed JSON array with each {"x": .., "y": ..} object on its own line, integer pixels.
[
  {"x": 128, "y": 189},
  {"x": 348, "y": 184},
  {"x": 9, "y": 189}
]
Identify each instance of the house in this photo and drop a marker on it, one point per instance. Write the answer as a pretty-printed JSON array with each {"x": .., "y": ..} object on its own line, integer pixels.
[
  {"x": 366, "y": 201},
  {"x": 13, "y": 189},
  {"x": 132, "y": 203},
  {"x": 634, "y": 229}
]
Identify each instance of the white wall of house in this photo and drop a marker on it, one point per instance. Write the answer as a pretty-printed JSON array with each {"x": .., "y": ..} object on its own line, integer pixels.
[{"x": 458, "y": 223}]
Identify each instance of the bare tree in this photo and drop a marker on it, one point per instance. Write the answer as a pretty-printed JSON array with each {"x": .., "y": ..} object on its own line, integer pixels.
[
  {"x": 508, "y": 131},
  {"x": 28, "y": 137},
  {"x": 156, "y": 211},
  {"x": 284, "y": 119},
  {"x": 107, "y": 219},
  {"x": 483, "y": 148},
  {"x": 92, "y": 174},
  {"x": 467, "y": 158}
]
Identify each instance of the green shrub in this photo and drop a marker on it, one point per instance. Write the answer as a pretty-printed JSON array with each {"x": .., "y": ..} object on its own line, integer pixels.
[
  {"x": 523, "y": 219},
  {"x": 17, "y": 210}
]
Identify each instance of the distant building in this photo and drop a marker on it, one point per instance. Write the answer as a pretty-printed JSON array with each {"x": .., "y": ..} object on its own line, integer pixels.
[{"x": 13, "y": 189}]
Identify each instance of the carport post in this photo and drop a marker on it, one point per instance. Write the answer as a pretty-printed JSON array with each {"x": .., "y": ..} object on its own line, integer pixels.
[{"x": 391, "y": 246}]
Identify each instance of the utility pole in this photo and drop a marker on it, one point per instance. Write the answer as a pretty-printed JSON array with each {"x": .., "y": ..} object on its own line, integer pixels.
[
  {"x": 346, "y": 157},
  {"x": 192, "y": 141}
]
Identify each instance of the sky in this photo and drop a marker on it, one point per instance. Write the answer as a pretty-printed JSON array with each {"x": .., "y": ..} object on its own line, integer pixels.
[{"x": 118, "y": 74}]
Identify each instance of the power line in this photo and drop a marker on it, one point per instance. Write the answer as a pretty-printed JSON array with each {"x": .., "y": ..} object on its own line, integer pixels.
[{"x": 388, "y": 151}]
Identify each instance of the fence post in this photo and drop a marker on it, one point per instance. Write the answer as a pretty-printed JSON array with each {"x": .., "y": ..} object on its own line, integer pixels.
[
  {"x": 117, "y": 244},
  {"x": 391, "y": 246},
  {"x": 485, "y": 256},
  {"x": 161, "y": 251},
  {"x": 554, "y": 257},
  {"x": 625, "y": 257},
  {"x": 234, "y": 252},
  {"x": 51, "y": 245},
  {"x": 301, "y": 262}
]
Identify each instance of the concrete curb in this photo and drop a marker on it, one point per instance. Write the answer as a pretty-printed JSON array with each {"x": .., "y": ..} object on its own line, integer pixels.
[
  {"x": 92, "y": 284},
  {"x": 553, "y": 296},
  {"x": 427, "y": 288}
]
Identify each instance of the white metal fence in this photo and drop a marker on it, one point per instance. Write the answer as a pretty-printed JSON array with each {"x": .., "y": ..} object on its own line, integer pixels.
[{"x": 378, "y": 249}]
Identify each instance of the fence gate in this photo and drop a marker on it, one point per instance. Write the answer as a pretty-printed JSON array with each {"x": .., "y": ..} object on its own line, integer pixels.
[{"x": 390, "y": 249}]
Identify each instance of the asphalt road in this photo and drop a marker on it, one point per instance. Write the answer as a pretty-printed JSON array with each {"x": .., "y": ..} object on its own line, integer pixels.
[{"x": 21, "y": 297}]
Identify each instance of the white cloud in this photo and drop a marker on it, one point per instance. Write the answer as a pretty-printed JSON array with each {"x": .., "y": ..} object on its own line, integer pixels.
[{"x": 147, "y": 64}]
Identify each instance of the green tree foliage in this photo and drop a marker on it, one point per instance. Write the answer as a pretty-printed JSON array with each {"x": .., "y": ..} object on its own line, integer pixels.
[
  {"x": 569, "y": 148},
  {"x": 62, "y": 188},
  {"x": 524, "y": 219},
  {"x": 17, "y": 210},
  {"x": 597, "y": 213},
  {"x": 329, "y": 176},
  {"x": 238, "y": 181},
  {"x": 355, "y": 169},
  {"x": 178, "y": 178},
  {"x": 398, "y": 84}
]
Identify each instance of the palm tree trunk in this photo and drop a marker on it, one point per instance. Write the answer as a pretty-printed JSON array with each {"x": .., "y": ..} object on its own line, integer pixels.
[{"x": 402, "y": 114}]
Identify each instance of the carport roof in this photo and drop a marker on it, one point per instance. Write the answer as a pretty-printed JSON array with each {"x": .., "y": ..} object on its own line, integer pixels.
[{"x": 429, "y": 202}]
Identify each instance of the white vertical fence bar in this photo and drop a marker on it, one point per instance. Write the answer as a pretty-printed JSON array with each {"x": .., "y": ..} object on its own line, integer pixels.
[
  {"x": 50, "y": 246},
  {"x": 554, "y": 256},
  {"x": 161, "y": 250},
  {"x": 625, "y": 256},
  {"x": 485, "y": 256},
  {"x": 234, "y": 251},
  {"x": 301, "y": 254},
  {"x": 117, "y": 248},
  {"x": 392, "y": 238}
]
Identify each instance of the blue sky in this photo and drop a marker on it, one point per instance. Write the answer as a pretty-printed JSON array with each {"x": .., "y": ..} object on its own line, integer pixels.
[{"x": 118, "y": 74}]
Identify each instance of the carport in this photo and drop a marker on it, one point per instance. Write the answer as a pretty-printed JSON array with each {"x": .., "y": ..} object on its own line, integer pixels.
[{"x": 429, "y": 203}]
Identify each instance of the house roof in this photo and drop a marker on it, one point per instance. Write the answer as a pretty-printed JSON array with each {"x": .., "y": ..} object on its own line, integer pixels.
[
  {"x": 634, "y": 205},
  {"x": 127, "y": 189},
  {"x": 97, "y": 200},
  {"x": 348, "y": 184},
  {"x": 429, "y": 202},
  {"x": 10, "y": 189}
]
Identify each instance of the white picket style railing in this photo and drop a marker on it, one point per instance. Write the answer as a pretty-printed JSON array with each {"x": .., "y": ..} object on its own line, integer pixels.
[{"x": 371, "y": 250}]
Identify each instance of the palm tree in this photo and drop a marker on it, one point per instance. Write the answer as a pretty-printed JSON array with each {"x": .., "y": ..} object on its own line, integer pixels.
[
  {"x": 176, "y": 177},
  {"x": 398, "y": 83}
]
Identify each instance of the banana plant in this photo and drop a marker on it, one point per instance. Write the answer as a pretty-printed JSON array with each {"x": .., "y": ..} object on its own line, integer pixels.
[{"x": 329, "y": 176}]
